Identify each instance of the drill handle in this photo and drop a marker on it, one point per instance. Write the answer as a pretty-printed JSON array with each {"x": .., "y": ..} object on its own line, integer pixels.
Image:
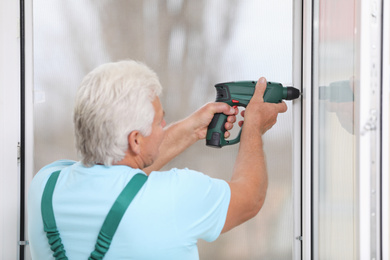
[{"x": 216, "y": 131}]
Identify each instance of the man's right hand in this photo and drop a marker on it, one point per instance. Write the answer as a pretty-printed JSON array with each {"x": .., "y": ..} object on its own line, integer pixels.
[{"x": 259, "y": 114}]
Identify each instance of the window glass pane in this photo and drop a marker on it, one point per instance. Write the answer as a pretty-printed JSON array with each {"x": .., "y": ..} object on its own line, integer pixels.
[
  {"x": 336, "y": 133},
  {"x": 192, "y": 45}
]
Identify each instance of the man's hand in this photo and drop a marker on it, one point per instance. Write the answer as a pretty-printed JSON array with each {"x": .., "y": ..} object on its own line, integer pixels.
[
  {"x": 200, "y": 119},
  {"x": 259, "y": 114}
]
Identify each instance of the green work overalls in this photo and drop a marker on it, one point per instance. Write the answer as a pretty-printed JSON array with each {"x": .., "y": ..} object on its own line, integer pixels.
[{"x": 109, "y": 226}]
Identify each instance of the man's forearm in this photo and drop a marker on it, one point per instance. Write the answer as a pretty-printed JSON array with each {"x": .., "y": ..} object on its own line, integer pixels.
[
  {"x": 250, "y": 168},
  {"x": 249, "y": 181},
  {"x": 181, "y": 135},
  {"x": 178, "y": 137}
]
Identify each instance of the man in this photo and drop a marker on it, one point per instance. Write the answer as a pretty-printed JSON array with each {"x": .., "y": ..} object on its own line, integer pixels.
[{"x": 120, "y": 131}]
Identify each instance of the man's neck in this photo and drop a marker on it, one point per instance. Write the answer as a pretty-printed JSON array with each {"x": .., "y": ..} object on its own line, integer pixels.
[{"x": 134, "y": 162}]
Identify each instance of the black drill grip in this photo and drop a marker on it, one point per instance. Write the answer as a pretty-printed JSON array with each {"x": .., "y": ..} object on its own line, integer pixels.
[{"x": 216, "y": 130}]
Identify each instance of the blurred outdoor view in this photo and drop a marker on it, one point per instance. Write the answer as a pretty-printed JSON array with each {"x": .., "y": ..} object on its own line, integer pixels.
[{"x": 192, "y": 45}]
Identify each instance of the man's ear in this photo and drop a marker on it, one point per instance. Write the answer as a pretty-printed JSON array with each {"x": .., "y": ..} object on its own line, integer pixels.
[{"x": 134, "y": 142}]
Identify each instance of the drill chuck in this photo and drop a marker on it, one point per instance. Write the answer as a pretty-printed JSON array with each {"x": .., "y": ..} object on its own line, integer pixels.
[{"x": 292, "y": 93}]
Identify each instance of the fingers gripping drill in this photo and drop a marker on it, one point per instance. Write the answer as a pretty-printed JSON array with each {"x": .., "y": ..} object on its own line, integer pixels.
[{"x": 239, "y": 94}]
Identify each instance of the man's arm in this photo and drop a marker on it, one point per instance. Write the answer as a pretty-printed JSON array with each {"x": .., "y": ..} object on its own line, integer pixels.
[
  {"x": 249, "y": 181},
  {"x": 181, "y": 135}
]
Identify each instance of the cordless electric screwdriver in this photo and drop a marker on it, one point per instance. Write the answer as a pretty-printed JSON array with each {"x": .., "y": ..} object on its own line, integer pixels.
[{"x": 239, "y": 94}]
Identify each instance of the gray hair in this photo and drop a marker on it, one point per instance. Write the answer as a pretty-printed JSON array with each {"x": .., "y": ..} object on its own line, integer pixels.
[{"x": 112, "y": 101}]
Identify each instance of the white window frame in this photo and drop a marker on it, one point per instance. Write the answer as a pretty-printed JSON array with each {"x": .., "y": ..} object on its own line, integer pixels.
[
  {"x": 372, "y": 122},
  {"x": 29, "y": 108},
  {"x": 368, "y": 123},
  {"x": 10, "y": 130},
  {"x": 386, "y": 131},
  {"x": 297, "y": 131},
  {"x": 306, "y": 129},
  {"x": 10, "y": 119}
]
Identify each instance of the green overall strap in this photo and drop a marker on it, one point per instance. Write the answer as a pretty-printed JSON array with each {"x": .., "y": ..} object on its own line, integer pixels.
[
  {"x": 110, "y": 224},
  {"x": 115, "y": 215},
  {"x": 49, "y": 222}
]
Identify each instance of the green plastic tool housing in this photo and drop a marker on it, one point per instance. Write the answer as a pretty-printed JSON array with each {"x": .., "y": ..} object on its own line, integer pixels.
[{"x": 239, "y": 93}]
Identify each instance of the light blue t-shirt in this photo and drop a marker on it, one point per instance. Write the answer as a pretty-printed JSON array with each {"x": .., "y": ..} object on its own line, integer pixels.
[{"x": 164, "y": 221}]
